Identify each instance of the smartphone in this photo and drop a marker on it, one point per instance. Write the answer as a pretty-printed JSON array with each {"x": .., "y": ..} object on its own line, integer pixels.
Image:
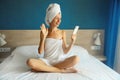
[{"x": 75, "y": 29}]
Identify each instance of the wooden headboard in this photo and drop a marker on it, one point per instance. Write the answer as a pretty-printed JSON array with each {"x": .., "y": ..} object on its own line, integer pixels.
[{"x": 17, "y": 38}]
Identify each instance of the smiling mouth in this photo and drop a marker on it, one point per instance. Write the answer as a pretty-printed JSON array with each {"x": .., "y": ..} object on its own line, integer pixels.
[{"x": 58, "y": 23}]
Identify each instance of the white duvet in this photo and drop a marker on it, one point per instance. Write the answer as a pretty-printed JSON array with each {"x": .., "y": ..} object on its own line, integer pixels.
[{"x": 89, "y": 68}]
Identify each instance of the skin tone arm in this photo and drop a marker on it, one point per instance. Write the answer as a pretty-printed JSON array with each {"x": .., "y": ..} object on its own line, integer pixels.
[
  {"x": 43, "y": 34},
  {"x": 65, "y": 48}
]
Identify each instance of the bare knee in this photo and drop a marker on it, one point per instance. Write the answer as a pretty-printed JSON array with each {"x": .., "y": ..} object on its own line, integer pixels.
[
  {"x": 76, "y": 59},
  {"x": 30, "y": 63}
]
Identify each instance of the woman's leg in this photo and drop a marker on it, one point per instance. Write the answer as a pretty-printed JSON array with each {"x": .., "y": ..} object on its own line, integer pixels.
[
  {"x": 39, "y": 65},
  {"x": 67, "y": 63}
]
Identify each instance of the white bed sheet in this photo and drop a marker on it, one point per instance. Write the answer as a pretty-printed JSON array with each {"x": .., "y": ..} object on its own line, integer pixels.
[{"x": 89, "y": 68}]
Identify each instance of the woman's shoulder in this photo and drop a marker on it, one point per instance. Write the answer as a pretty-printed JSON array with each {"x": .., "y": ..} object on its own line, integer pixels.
[
  {"x": 63, "y": 33},
  {"x": 61, "y": 30}
]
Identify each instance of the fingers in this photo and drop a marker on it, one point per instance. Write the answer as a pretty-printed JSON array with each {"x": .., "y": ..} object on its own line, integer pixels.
[
  {"x": 47, "y": 29},
  {"x": 42, "y": 27},
  {"x": 74, "y": 34},
  {"x": 73, "y": 37},
  {"x": 44, "y": 30}
]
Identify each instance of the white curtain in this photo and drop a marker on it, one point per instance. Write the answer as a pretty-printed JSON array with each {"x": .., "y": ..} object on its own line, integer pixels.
[{"x": 117, "y": 56}]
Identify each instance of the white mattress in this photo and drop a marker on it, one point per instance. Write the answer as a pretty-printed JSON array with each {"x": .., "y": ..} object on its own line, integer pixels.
[{"x": 89, "y": 68}]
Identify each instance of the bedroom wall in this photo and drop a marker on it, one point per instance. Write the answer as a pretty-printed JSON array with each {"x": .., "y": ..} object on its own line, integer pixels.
[{"x": 29, "y": 14}]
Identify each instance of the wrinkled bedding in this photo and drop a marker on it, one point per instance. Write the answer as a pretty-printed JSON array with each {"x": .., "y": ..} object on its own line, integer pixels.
[{"x": 89, "y": 68}]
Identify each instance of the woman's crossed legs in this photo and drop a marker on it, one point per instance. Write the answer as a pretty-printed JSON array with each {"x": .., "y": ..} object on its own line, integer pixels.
[{"x": 63, "y": 67}]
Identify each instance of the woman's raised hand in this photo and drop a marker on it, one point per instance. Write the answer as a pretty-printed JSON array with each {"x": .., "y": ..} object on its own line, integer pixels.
[{"x": 44, "y": 30}]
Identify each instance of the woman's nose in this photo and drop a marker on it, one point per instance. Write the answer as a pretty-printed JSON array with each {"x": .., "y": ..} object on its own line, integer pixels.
[{"x": 59, "y": 20}]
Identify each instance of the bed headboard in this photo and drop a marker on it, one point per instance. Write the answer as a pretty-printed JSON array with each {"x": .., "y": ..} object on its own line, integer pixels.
[{"x": 16, "y": 38}]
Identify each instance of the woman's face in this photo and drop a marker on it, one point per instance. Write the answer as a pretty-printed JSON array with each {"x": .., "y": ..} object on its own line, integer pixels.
[{"x": 56, "y": 21}]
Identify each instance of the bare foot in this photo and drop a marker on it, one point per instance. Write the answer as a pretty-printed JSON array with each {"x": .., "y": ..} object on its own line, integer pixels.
[
  {"x": 70, "y": 70},
  {"x": 32, "y": 70}
]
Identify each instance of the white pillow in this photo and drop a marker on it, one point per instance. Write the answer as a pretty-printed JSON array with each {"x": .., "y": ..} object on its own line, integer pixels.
[{"x": 19, "y": 56}]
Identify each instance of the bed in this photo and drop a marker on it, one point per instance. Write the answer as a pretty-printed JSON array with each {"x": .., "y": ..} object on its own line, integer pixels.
[{"x": 89, "y": 68}]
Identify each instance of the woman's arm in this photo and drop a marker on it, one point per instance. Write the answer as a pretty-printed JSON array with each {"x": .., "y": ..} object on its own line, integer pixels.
[
  {"x": 41, "y": 44},
  {"x": 65, "y": 48},
  {"x": 43, "y": 34}
]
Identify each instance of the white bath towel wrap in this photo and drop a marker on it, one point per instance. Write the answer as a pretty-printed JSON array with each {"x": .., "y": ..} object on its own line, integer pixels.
[
  {"x": 52, "y": 10},
  {"x": 53, "y": 51}
]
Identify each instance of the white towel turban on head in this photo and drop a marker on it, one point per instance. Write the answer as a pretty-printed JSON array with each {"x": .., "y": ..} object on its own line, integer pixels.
[{"x": 52, "y": 10}]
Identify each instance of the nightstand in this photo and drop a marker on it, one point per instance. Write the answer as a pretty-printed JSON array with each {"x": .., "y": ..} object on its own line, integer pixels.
[
  {"x": 4, "y": 52},
  {"x": 100, "y": 57},
  {"x": 1, "y": 59}
]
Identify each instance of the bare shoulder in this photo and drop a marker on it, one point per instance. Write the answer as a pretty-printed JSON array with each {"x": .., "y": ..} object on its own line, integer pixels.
[
  {"x": 64, "y": 32},
  {"x": 61, "y": 31}
]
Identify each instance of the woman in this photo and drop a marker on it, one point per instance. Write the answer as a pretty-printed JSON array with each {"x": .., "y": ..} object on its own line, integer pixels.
[{"x": 53, "y": 44}]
